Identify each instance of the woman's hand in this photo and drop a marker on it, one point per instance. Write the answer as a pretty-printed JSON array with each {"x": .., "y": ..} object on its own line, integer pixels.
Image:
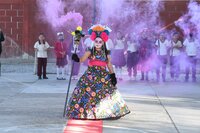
[
  {"x": 113, "y": 79},
  {"x": 75, "y": 58}
]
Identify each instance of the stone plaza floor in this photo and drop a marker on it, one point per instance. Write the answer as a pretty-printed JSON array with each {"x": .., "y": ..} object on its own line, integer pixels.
[{"x": 29, "y": 105}]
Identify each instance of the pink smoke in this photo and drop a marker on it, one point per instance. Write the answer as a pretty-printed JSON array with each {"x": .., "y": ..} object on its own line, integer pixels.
[{"x": 53, "y": 12}]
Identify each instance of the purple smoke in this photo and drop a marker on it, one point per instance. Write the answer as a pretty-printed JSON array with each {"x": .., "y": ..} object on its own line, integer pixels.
[
  {"x": 191, "y": 20},
  {"x": 131, "y": 16},
  {"x": 53, "y": 12}
]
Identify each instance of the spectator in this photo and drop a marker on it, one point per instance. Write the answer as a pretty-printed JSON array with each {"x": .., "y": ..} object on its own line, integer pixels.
[
  {"x": 1, "y": 40},
  {"x": 132, "y": 59},
  {"x": 41, "y": 46},
  {"x": 161, "y": 46},
  {"x": 61, "y": 56},
  {"x": 175, "y": 51},
  {"x": 191, "y": 45},
  {"x": 118, "y": 57},
  {"x": 145, "y": 52}
]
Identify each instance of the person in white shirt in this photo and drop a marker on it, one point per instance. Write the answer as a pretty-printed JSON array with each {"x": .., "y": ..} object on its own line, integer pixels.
[
  {"x": 175, "y": 51},
  {"x": 41, "y": 46},
  {"x": 161, "y": 45},
  {"x": 132, "y": 59},
  {"x": 191, "y": 45},
  {"x": 118, "y": 57}
]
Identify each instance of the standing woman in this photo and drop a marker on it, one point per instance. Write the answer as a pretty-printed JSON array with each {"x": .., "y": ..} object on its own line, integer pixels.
[
  {"x": 95, "y": 95},
  {"x": 118, "y": 57},
  {"x": 61, "y": 55},
  {"x": 1, "y": 40},
  {"x": 175, "y": 53},
  {"x": 41, "y": 46},
  {"x": 132, "y": 58}
]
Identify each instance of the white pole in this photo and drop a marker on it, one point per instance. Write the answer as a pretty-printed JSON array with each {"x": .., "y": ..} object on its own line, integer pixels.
[{"x": 35, "y": 63}]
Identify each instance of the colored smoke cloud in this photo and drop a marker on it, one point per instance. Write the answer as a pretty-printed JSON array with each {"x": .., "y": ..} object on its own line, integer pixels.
[
  {"x": 53, "y": 13},
  {"x": 132, "y": 16},
  {"x": 190, "y": 22}
]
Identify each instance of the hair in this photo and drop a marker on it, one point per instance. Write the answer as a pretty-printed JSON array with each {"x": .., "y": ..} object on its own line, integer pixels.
[
  {"x": 121, "y": 36},
  {"x": 175, "y": 33},
  {"x": 43, "y": 42},
  {"x": 104, "y": 48},
  {"x": 191, "y": 35}
]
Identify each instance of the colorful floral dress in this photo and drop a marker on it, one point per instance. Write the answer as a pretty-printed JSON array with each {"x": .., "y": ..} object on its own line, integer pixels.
[{"x": 94, "y": 96}]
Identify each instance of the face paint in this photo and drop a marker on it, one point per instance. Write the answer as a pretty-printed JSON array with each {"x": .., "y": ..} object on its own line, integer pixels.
[{"x": 98, "y": 43}]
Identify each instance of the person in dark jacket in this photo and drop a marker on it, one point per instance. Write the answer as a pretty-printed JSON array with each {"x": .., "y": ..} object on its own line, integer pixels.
[{"x": 1, "y": 40}]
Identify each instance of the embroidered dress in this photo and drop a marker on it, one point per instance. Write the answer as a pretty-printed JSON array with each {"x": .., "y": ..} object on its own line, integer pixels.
[{"x": 94, "y": 96}]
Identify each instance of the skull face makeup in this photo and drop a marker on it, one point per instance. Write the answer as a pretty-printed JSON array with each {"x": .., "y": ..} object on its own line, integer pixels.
[{"x": 98, "y": 43}]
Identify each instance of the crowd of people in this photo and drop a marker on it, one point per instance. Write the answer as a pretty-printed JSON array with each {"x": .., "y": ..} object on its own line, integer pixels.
[
  {"x": 138, "y": 54},
  {"x": 154, "y": 54},
  {"x": 146, "y": 54}
]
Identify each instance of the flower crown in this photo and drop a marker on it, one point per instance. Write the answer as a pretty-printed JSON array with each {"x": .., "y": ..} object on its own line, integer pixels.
[{"x": 99, "y": 31}]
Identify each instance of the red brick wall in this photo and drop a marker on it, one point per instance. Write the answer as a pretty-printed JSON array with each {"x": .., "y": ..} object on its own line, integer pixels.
[
  {"x": 173, "y": 10},
  {"x": 12, "y": 21}
]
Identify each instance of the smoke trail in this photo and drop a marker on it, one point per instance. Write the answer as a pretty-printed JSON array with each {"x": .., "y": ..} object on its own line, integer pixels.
[
  {"x": 53, "y": 12},
  {"x": 191, "y": 20}
]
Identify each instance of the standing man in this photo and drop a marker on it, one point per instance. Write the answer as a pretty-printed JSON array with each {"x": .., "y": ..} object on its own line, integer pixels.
[
  {"x": 161, "y": 45},
  {"x": 175, "y": 51},
  {"x": 191, "y": 45}
]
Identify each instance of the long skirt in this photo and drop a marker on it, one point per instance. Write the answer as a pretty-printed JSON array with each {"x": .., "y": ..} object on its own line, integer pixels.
[
  {"x": 94, "y": 97},
  {"x": 132, "y": 59},
  {"x": 118, "y": 58},
  {"x": 61, "y": 62}
]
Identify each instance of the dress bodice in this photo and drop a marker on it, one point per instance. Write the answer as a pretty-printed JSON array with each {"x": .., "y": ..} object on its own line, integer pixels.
[{"x": 98, "y": 55}]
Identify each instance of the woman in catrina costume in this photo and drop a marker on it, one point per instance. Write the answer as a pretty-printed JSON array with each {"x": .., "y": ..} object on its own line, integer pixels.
[{"x": 95, "y": 95}]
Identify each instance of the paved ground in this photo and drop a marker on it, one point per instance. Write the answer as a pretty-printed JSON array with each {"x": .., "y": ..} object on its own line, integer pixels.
[{"x": 28, "y": 105}]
